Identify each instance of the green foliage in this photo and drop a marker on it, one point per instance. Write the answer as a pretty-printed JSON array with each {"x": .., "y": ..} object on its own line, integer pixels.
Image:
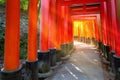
[
  {"x": 1, "y": 40},
  {"x": 2, "y": 2},
  {"x": 24, "y": 4},
  {"x": 23, "y": 46}
]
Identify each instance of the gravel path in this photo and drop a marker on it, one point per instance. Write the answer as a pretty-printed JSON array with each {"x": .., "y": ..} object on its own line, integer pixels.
[{"x": 84, "y": 64}]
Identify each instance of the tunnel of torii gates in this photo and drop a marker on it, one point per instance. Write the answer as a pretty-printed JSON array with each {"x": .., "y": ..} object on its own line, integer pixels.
[{"x": 60, "y": 21}]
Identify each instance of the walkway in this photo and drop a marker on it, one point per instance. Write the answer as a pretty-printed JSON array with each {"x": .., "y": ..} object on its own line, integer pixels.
[{"x": 84, "y": 64}]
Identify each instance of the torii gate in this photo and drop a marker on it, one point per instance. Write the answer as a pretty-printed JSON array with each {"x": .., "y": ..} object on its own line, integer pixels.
[{"x": 49, "y": 42}]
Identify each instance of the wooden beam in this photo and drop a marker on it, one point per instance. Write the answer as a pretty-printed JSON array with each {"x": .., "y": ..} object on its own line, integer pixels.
[{"x": 71, "y": 2}]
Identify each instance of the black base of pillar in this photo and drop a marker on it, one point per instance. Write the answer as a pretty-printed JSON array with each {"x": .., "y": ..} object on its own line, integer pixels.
[
  {"x": 100, "y": 46},
  {"x": 76, "y": 38},
  {"x": 71, "y": 48},
  {"x": 71, "y": 45},
  {"x": 11, "y": 75},
  {"x": 107, "y": 51},
  {"x": 64, "y": 51},
  {"x": 53, "y": 58},
  {"x": 58, "y": 57},
  {"x": 116, "y": 66},
  {"x": 32, "y": 69},
  {"x": 67, "y": 48},
  {"x": 103, "y": 50},
  {"x": 96, "y": 44},
  {"x": 93, "y": 41},
  {"x": 105, "y": 54},
  {"x": 111, "y": 53},
  {"x": 116, "y": 62},
  {"x": 82, "y": 39},
  {"x": 44, "y": 64},
  {"x": 88, "y": 40}
]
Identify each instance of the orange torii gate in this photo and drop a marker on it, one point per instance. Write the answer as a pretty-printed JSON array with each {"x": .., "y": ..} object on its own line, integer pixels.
[
  {"x": 12, "y": 42},
  {"x": 32, "y": 60},
  {"x": 84, "y": 29},
  {"x": 12, "y": 67},
  {"x": 51, "y": 22},
  {"x": 91, "y": 24},
  {"x": 56, "y": 33}
]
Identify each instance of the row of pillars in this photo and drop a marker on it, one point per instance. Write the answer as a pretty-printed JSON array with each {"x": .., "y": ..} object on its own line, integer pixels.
[
  {"x": 56, "y": 39},
  {"x": 87, "y": 30},
  {"x": 106, "y": 35},
  {"x": 110, "y": 44},
  {"x": 106, "y": 26},
  {"x": 110, "y": 27}
]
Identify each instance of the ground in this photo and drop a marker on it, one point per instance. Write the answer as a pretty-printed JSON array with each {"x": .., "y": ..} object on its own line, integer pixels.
[{"x": 84, "y": 64}]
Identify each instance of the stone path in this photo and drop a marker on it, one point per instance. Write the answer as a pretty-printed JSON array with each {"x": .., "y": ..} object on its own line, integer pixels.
[{"x": 84, "y": 64}]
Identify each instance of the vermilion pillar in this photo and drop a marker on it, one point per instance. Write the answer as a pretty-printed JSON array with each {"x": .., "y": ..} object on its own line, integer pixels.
[
  {"x": 71, "y": 27},
  {"x": 12, "y": 36},
  {"x": 104, "y": 21},
  {"x": 84, "y": 30},
  {"x": 52, "y": 25},
  {"x": 90, "y": 29},
  {"x": 12, "y": 42},
  {"x": 44, "y": 54},
  {"x": 58, "y": 26},
  {"x": 118, "y": 28},
  {"x": 70, "y": 32},
  {"x": 110, "y": 36},
  {"x": 114, "y": 27},
  {"x": 32, "y": 34},
  {"x": 67, "y": 18},
  {"x": 44, "y": 25},
  {"x": 32, "y": 63},
  {"x": 115, "y": 38},
  {"x": 66, "y": 24},
  {"x": 97, "y": 34},
  {"x": 79, "y": 31},
  {"x": 105, "y": 33},
  {"x": 114, "y": 24},
  {"x": 58, "y": 32},
  {"x": 64, "y": 31},
  {"x": 62, "y": 24},
  {"x": 52, "y": 33}
]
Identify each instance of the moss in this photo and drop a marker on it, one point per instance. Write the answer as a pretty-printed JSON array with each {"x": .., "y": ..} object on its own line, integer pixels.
[{"x": 23, "y": 46}]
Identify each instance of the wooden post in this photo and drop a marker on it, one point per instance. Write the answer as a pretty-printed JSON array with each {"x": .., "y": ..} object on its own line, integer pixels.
[
  {"x": 118, "y": 28},
  {"x": 44, "y": 54},
  {"x": 12, "y": 42},
  {"x": 44, "y": 25},
  {"x": 32, "y": 63},
  {"x": 104, "y": 22},
  {"x": 58, "y": 26},
  {"x": 12, "y": 36},
  {"x": 32, "y": 33},
  {"x": 58, "y": 32},
  {"x": 52, "y": 44}
]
